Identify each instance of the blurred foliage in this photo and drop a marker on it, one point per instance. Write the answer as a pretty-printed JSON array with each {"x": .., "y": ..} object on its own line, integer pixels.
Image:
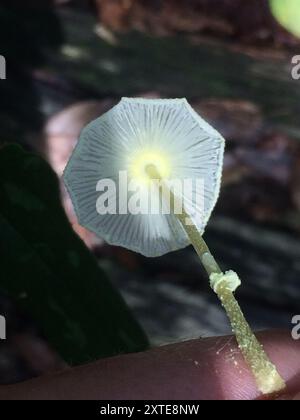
[
  {"x": 287, "y": 12},
  {"x": 47, "y": 269},
  {"x": 140, "y": 64}
]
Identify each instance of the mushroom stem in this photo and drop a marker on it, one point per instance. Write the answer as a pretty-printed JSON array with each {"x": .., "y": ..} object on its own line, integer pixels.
[
  {"x": 266, "y": 375},
  {"x": 264, "y": 371}
]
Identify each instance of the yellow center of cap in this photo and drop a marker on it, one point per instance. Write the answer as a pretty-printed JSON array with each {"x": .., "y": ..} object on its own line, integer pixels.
[{"x": 145, "y": 159}]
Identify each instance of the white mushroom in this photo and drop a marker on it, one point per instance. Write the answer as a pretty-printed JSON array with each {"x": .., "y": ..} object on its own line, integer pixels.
[
  {"x": 136, "y": 133},
  {"x": 163, "y": 140}
]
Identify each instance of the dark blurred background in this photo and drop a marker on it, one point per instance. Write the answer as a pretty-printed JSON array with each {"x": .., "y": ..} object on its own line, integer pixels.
[{"x": 70, "y": 61}]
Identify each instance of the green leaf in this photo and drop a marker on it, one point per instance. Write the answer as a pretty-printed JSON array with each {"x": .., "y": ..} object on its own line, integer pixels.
[
  {"x": 287, "y": 13},
  {"x": 50, "y": 272}
]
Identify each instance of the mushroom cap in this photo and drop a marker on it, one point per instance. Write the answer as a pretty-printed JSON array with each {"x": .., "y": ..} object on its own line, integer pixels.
[{"x": 144, "y": 127}]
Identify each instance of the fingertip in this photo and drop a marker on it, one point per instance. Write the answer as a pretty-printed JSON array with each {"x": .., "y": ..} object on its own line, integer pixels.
[{"x": 237, "y": 382}]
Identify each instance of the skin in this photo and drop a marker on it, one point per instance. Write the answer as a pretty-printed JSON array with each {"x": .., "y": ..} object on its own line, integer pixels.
[{"x": 205, "y": 369}]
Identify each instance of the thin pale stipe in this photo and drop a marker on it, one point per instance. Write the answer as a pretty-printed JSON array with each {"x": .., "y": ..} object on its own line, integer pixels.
[{"x": 266, "y": 375}]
